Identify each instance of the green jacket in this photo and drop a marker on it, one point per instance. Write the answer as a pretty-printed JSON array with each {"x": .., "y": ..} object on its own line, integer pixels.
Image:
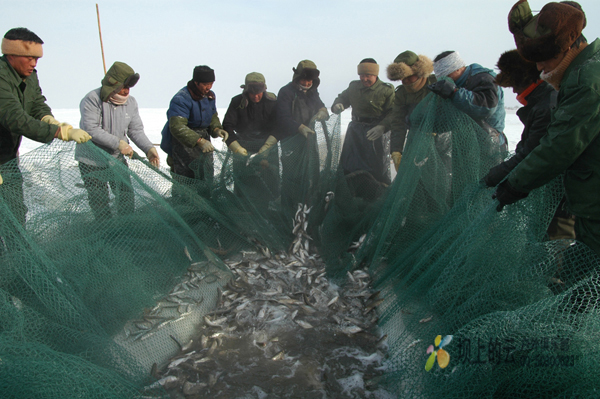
[
  {"x": 367, "y": 102},
  {"x": 404, "y": 103},
  {"x": 22, "y": 106},
  {"x": 571, "y": 145}
]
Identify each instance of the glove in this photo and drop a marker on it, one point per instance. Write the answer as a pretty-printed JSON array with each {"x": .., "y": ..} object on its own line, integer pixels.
[
  {"x": 376, "y": 132},
  {"x": 443, "y": 88},
  {"x": 152, "y": 156},
  {"x": 125, "y": 148},
  {"x": 205, "y": 145},
  {"x": 236, "y": 148},
  {"x": 322, "y": 115},
  {"x": 396, "y": 157},
  {"x": 270, "y": 142},
  {"x": 50, "y": 119},
  {"x": 305, "y": 130},
  {"x": 337, "y": 108},
  {"x": 1, "y": 181},
  {"x": 221, "y": 133},
  {"x": 496, "y": 175},
  {"x": 507, "y": 194},
  {"x": 68, "y": 133}
]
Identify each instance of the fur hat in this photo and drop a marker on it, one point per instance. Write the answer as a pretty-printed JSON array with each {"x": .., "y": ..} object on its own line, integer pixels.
[
  {"x": 549, "y": 33},
  {"x": 119, "y": 75},
  {"x": 515, "y": 71},
  {"x": 368, "y": 66},
  {"x": 22, "y": 42},
  {"x": 254, "y": 83},
  {"x": 408, "y": 64},
  {"x": 306, "y": 69}
]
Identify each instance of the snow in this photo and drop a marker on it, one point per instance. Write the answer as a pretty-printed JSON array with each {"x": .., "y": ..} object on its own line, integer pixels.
[{"x": 155, "y": 118}]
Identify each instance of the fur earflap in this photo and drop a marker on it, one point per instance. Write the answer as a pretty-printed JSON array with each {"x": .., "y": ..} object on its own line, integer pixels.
[
  {"x": 515, "y": 71},
  {"x": 423, "y": 67}
]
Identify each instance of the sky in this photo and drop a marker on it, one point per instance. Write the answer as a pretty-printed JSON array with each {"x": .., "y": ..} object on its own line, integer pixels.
[{"x": 163, "y": 40}]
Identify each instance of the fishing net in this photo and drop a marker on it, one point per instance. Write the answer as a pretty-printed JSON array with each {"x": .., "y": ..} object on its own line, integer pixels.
[{"x": 100, "y": 288}]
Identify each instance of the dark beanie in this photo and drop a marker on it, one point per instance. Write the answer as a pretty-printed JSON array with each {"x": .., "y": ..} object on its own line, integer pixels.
[{"x": 203, "y": 74}]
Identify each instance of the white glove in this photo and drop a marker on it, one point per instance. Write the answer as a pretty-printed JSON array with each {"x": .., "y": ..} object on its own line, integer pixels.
[
  {"x": 153, "y": 157},
  {"x": 322, "y": 115},
  {"x": 305, "y": 130},
  {"x": 376, "y": 132},
  {"x": 205, "y": 145},
  {"x": 221, "y": 133},
  {"x": 125, "y": 148}
]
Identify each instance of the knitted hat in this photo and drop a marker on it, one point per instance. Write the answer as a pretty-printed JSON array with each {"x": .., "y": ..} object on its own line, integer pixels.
[
  {"x": 368, "y": 66},
  {"x": 306, "y": 69},
  {"x": 407, "y": 64},
  {"x": 254, "y": 83},
  {"x": 118, "y": 76},
  {"x": 203, "y": 74},
  {"x": 549, "y": 33},
  {"x": 515, "y": 71},
  {"x": 15, "y": 42}
]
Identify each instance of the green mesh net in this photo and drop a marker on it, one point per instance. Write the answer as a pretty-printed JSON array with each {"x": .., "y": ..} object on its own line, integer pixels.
[{"x": 93, "y": 303}]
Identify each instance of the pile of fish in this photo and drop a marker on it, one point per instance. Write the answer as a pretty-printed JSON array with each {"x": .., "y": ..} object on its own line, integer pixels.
[{"x": 281, "y": 329}]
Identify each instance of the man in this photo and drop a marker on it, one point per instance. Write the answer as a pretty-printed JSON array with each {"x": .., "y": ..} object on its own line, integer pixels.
[
  {"x": 191, "y": 120},
  {"x": 250, "y": 123},
  {"x": 298, "y": 106},
  {"x": 371, "y": 100},
  {"x": 111, "y": 116},
  {"x": 415, "y": 72},
  {"x": 553, "y": 40},
  {"x": 538, "y": 98},
  {"x": 473, "y": 90},
  {"x": 24, "y": 112}
]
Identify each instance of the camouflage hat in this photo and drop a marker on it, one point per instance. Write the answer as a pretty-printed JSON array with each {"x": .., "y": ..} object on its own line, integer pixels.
[{"x": 549, "y": 33}]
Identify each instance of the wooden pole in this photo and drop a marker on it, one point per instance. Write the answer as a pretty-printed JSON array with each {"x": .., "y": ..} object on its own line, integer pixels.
[{"x": 100, "y": 33}]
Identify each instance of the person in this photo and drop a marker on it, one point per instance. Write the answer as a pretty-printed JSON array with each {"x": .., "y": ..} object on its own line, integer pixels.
[
  {"x": 24, "y": 112},
  {"x": 250, "y": 123},
  {"x": 553, "y": 40},
  {"x": 111, "y": 116},
  {"x": 299, "y": 105},
  {"x": 191, "y": 120},
  {"x": 371, "y": 100},
  {"x": 416, "y": 73},
  {"x": 473, "y": 90},
  {"x": 537, "y": 98}
]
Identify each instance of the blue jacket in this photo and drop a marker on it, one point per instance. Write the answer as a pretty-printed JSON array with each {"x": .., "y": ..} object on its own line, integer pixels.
[
  {"x": 480, "y": 97},
  {"x": 198, "y": 114}
]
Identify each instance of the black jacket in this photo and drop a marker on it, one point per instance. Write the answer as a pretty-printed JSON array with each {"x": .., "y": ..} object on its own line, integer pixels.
[
  {"x": 294, "y": 108},
  {"x": 245, "y": 120}
]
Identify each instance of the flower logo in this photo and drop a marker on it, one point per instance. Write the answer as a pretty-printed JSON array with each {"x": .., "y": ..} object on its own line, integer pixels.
[{"x": 443, "y": 357}]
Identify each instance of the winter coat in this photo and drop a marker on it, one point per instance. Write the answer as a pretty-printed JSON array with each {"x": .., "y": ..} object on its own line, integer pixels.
[
  {"x": 22, "y": 106},
  {"x": 108, "y": 124},
  {"x": 296, "y": 107},
  {"x": 368, "y": 104},
  {"x": 245, "y": 120},
  {"x": 572, "y": 143},
  {"x": 404, "y": 104},
  {"x": 480, "y": 97},
  {"x": 200, "y": 115}
]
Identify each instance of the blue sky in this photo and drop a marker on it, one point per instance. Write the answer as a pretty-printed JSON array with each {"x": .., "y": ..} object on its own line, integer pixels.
[{"x": 164, "y": 40}]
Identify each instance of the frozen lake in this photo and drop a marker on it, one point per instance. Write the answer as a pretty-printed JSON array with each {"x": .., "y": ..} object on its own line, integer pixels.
[{"x": 154, "y": 119}]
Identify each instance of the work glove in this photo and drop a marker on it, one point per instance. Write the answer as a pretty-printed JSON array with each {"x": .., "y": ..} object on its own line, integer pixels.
[
  {"x": 443, "y": 88},
  {"x": 337, "y": 108},
  {"x": 496, "y": 175},
  {"x": 507, "y": 194},
  {"x": 305, "y": 130},
  {"x": 1, "y": 181},
  {"x": 205, "y": 145},
  {"x": 221, "y": 133},
  {"x": 236, "y": 148},
  {"x": 125, "y": 148},
  {"x": 68, "y": 133},
  {"x": 270, "y": 142},
  {"x": 376, "y": 132},
  {"x": 396, "y": 157},
  {"x": 322, "y": 115},
  {"x": 50, "y": 119},
  {"x": 152, "y": 156}
]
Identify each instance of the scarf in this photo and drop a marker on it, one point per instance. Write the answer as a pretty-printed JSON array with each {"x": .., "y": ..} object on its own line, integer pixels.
[
  {"x": 522, "y": 97},
  {"x": 555, "y": 76},
  {"x": 196, "y": 95},
  {"x": 416, "y": 85},
  {"x": 118, "y": 99}
]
